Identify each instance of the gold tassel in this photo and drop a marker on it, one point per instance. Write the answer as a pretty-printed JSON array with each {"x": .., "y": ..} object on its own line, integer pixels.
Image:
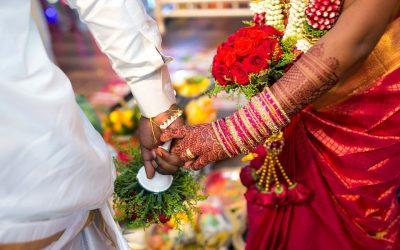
[{"x": 268, "y": 171}]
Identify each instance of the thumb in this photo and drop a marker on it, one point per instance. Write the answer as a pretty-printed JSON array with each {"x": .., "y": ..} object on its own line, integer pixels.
[{"x": 150, "y": 171}]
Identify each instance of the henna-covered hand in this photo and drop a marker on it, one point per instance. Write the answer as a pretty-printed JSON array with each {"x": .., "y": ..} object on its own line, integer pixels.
[{"x": 200, "y": 140}]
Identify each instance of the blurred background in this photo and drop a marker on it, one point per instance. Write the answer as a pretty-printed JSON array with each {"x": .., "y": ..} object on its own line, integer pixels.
[{"x": 191, "y": 33}]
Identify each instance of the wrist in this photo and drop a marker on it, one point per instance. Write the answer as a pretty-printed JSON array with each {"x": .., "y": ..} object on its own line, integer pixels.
[{"x": 168, "y": 117}]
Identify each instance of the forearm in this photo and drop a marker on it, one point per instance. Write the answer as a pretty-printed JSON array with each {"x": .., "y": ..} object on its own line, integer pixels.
[{"x": 330, "y": 60}]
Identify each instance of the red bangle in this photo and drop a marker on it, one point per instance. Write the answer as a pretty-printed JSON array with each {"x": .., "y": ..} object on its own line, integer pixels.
[
  {"x": 228, "y": 136},
  {"x": 223, "y": 136}
]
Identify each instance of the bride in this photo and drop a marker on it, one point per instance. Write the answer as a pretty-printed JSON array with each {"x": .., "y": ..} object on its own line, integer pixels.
[
  {"x": 342, "y": 144},
  {"x": 56, "y": 174}
]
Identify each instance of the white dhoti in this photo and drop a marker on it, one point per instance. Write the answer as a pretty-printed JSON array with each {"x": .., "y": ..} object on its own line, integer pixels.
[{"x": 55, "y": 169}]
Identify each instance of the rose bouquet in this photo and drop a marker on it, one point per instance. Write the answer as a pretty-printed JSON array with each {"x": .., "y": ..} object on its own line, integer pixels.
[
  {"x": 256, "y": 56},
  {"x": 251, "y": 59}
]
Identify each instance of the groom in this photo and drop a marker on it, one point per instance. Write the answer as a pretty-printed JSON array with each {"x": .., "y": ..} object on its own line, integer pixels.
[{"x": 56, "y": 174}]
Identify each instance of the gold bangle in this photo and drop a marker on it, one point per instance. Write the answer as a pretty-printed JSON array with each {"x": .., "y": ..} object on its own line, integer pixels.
[
  {"x": 278, "y": 105},
  {"x": 235, "y": 136},
  {"x": 220, "y": 141},
  {"x": 266, "y": 117},
  {"x": 273, "y": 112},
  {"x": 171, "y": 119},
  {"x": 251, "y": 142},
  {"x": 263, "y": 131},
  {"x": 250, "y": 128}
]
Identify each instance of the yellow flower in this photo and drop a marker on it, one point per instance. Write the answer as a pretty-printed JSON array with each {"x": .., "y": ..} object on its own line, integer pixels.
[
  {"x": 180, "y": 217},
  {"x": 249, "y": 157},
  {"x": 127, "y": 118},
  {"x": 115, "y": 116},
  {"x": 201, "y": 111},
  {"x": 117, "y": 127},
  {"x": 192, "y": 86}
]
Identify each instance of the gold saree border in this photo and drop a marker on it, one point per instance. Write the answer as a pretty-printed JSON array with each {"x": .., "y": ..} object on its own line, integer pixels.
[{"x": 384, "y": 59}]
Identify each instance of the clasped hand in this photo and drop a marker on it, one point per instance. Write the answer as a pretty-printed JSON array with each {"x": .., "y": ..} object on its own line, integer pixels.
[
  {"x": 192, "y": 146},
  {"x": 196, "y": 146}
]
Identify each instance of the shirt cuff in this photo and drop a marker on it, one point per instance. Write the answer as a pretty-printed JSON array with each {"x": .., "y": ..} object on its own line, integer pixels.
[{"x": 154, "y": 94}]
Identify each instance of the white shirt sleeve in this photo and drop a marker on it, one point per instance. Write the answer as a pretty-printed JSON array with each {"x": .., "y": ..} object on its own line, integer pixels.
[{"x": 131, "y": 39}]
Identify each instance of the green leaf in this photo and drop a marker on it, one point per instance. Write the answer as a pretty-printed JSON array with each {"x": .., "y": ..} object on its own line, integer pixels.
[{"x": 130, "y": 197}]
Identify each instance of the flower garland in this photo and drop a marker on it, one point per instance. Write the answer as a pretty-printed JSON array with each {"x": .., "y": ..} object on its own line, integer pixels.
[
  {"x": 272, "y": 10},
  {"x": 296, "y": 18},
  {"x": 307, "y": 20}
]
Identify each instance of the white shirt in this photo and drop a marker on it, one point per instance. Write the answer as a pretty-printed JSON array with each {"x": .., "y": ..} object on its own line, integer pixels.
[
  {"x": 131, "y": 39},
  {"x": 52, "y": 161}
]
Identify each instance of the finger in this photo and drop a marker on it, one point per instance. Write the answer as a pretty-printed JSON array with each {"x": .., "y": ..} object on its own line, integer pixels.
[
  {"x": 162, "y": 171},
  {"x": 173, "y": 133},
  {"x": 165, "y": 167},
  {"x": 188, "y": 164},
  {"x": 147, "y": 158},
  {"x": 154, "y": 163},
  {"x": 187, "y": 155},
  {"x": 177, "y": 149},
  {"x": 170, "y": 158},
  {"x": 200, "y": 163},
  {"x": 150, "y": 171}
]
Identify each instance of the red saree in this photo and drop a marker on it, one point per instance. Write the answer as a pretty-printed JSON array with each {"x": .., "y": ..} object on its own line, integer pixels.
[{"x": 346, "y": 149}]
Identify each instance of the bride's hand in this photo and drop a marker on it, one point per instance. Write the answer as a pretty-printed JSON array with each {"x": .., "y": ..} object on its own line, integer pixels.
[{"x": 196, "y": 145}]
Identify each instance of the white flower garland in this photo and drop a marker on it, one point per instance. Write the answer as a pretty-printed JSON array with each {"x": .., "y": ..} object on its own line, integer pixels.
[
  {"x": 303, "y": 45},
  {"x": 296, "y": 18},
  {"x": 273, "y": 10},
  {"x": 274, "y": 17}
]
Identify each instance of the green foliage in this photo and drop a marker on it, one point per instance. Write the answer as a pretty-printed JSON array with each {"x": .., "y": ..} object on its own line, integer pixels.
[
  {"x": 89, "y": 111},
  {"x": 310, "y": 31},
  {"x": 249, "y": 23},
  {"x": 131, "y": 199}
]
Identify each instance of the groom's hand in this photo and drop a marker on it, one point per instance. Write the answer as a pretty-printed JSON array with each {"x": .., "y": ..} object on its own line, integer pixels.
[{"x": 149, "y": 137}]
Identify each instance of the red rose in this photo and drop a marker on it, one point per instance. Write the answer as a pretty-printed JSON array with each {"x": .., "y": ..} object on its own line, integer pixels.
[
  {"x": 230, "y": 57},
  {"x": 246, "y": 176},
  {"x": 268, "y": 47},
  {"x": 244, "y": 46},
  {"x": 257, "y": 61},
  {"x": 239, "y": 74},
  {"x": 220, "y": 73},
  {"x": 255, "y": 33},
  {"x": 163, "y": 218},
  {"x": 270, "y": 30},
  {"x": 123, "y": 157},
  {"x": 242, "y": 32}
]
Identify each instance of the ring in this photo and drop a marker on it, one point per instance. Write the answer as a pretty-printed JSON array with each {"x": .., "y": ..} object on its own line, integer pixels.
[
  {"x": 156, "y": 163},
  {"x": 189, "y": 154}
]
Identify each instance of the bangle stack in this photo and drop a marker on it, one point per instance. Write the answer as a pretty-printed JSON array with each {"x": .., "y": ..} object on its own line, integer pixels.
[{"x": 251, "y": 125}]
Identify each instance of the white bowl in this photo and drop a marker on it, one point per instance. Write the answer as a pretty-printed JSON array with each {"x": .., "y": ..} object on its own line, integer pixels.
[{"x": 159, "y": 183}]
